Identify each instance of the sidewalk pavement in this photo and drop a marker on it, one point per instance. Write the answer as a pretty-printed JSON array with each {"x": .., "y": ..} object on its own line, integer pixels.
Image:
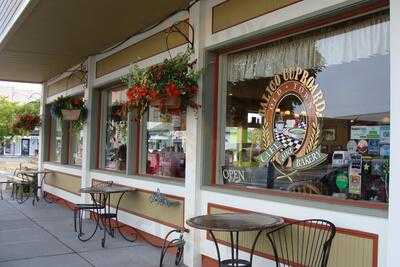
[{"x": 44, "y": 236}]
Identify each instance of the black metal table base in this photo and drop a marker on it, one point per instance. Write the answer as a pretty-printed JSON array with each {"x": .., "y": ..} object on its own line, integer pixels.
[
  {"x": 234, "y": 261},
  {"x": 105, "y": 219},
  {"x": 23, "y": 190}
]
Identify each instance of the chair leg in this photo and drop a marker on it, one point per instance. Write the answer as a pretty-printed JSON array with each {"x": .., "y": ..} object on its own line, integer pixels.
[
  {"x": 80, "y": 223},
  {"x": 12, "y": 191},
  {"x": 75, "y": 211}
]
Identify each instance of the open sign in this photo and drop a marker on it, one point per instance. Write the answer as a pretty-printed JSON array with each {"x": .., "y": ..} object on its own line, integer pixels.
[{"x": 247, "y": 176}]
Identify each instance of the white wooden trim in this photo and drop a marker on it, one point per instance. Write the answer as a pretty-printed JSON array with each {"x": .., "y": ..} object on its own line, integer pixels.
[
  {"x": 79, "y": 89},
  {"x": 16, "y": 19},
  {"x": 291, "y": 14},
  {"x": 140, "y": 182},
  {"x": 64, "y": 74},
  {"x": 393, "y": 256},
  {"x": 370, "y": 224},
  {"x": 137, "y": 38},
  {"x": 143, "y": 224},
  {"x": 62, "y": 194},
  {"x": 67, "y": 169},
  {"x": 117, "y": 74},
  {"x": 88, "y": 140}
]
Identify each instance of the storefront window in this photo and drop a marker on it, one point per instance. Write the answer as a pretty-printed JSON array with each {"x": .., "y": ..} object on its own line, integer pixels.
[
  {"x": 115, "y": 131},
  {"x": 311, "y": 113},
  {"x": 166, "y": 144}
]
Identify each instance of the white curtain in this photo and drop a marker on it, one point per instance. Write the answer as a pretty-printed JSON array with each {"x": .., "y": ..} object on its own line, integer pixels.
[{"x": 322, "y": 48}]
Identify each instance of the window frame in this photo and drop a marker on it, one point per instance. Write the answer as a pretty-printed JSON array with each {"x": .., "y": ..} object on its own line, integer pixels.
[
  {"x": 219, "y": 103},
  {"x": 103, "y": 94},
  {"x": 66, "y": 156},
  {"x": 136, "y": 148}
]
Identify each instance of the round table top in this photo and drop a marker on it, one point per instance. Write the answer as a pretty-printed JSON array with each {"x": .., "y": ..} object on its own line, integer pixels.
[
  {"x": 235, "y": 222},
  {"x": 106, "y": 189}
]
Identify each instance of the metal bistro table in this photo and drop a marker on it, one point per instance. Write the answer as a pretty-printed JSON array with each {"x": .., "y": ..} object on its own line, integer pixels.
[
  {"x": 104, "y": 215},
  {"x": 234, "y": 223},
  {"x": 32, "y": 179}
]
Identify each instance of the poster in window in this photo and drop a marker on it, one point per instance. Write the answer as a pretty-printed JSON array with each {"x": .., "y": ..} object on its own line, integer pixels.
[
  {"x": 329, "y": 135},
  {"x": 385, "y": 134},
  {"x": 355, "y": 174},
  {"x": 373, "y": 147},
  {"x": 365, "y": 132}
]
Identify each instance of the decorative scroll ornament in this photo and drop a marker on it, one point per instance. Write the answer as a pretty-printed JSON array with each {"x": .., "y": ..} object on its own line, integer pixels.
[
  {"x": 159, "y": 198},
  {"x": 298, "y": 146}
]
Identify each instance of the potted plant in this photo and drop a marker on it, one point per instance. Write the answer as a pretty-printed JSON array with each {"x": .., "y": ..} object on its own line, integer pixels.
[
  {"x": 170, "y": 86},
  {"x": 70, "y": 109},
  {"x": 25, "y": 123}
]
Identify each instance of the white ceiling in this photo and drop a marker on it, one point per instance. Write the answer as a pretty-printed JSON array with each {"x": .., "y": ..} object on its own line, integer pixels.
[{"x": 53, "y": 35}]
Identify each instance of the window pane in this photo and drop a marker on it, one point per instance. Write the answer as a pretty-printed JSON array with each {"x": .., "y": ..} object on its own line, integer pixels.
[
  {"x": 57, "y": 140},
  {"x": 346, "y": 118},
  {"x": 166, "y": 144},
  {"x": 116, "y": 131},
  {"x": 76, "y": 146}
]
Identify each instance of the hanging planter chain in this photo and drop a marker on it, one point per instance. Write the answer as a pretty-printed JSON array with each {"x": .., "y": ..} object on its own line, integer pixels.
[{"x": 175, "y": 29}]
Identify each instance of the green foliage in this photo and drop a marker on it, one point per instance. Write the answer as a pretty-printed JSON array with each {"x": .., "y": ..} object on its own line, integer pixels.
[
  {"x": 70, "y": 103},
  {"x": 170, "y": 86},
  {"x": 9, "y": 111}
]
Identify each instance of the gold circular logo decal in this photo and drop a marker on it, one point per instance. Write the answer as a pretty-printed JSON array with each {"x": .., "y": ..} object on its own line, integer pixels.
[{"x": 291, "y": 138}]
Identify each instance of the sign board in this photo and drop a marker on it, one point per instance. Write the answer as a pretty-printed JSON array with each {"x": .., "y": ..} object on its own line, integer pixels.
[
  {"x": 292, "y": 144},
  {"x": 355, "y": 169},
  {"x": 371, "y": 132},
  {"x": 246, "y": 176}
]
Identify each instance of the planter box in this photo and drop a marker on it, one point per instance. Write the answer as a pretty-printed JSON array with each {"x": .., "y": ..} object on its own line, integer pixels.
[
  {"x": 70, "y": 114},
  {"x": 170, "y": 103}
]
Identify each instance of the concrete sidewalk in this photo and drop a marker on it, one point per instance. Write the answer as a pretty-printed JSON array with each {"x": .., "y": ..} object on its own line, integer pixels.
[{"x": 44, "y": 236}]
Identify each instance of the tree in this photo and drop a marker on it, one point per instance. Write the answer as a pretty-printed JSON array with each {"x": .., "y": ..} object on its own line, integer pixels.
[{"x": 8, "y": 112}]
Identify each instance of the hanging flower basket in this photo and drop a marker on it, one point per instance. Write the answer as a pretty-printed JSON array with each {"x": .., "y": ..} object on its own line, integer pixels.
[
  {"x": 169, "y": 103},
  {"x": 70, "y": 109},
  {"x": 70, "y": 114},
  {"x": 170, "y": 86},
  {"x": 25, "y": 123}
]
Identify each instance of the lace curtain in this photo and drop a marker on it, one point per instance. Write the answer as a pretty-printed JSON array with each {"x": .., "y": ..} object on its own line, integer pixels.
[{"x": 328, "y": 46}]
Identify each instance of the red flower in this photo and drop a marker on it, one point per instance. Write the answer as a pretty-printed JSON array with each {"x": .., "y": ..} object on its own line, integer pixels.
[
  {"x": 130, "y": 94},
  {"x": 133, "y": 93},
  {"x": 172, "y": 90},
  {"x": 76, "y": 102},
  {"x": 193, "y": 89},
  {"x": 153, "y": 94}
]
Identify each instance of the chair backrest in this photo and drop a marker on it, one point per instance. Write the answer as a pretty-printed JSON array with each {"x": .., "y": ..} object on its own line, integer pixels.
[{"x": 303, "y": 243}]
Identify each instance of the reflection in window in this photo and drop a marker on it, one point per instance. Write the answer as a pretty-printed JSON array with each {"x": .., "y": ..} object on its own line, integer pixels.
[
  {"x": 166, "y": 144},
  {"x": 115, "y": 131},
  {"x": 76, "y": 146},
  {"x": 350, "y": 62},
  {"x": 57, "y": 139}
]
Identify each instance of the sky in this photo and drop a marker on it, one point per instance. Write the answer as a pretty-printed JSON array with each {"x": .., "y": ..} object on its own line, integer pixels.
[{"x": 20, "y": 92}]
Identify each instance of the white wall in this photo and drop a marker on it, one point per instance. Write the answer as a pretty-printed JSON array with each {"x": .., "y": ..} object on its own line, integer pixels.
[{"x": 393, "y": 255}]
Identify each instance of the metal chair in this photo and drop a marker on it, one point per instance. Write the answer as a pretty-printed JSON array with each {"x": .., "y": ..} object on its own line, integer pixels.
[
  {"x": 79, "y": 209},
  {"x": 302, "y": 243},
  {"x": 177, "y": 243}
]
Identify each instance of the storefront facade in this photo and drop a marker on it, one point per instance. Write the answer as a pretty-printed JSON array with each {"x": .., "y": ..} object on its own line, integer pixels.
[{"x": 297, "y": 110}]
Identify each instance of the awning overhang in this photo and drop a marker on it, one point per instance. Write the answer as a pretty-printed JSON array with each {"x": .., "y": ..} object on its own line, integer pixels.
[{"x": 50, "y": 36}]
